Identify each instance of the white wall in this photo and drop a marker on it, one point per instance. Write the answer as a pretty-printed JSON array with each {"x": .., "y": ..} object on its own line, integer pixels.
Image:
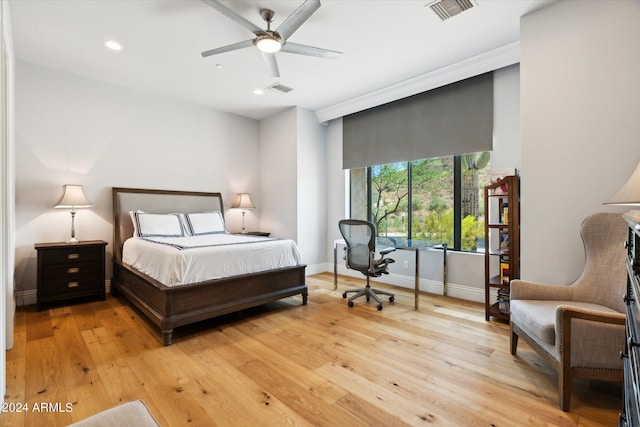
[
  {"x": 279, "y": 177},
  {"x": 7, "y": 175},
  {"x": 72, "y": 130},
  {"x": 312, "y": 190},
  {"x": 465, "y": 270},
  {"x": 293, "y": 188},
  {"x": 580, "y": 104}
]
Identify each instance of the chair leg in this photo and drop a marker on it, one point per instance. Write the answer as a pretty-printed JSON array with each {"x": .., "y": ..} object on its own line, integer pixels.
[
  {"x": 359, "y": 293},
  {"x": 565, "y": 384},
  {"x": 378, "y": 291},
  {"x": 514, "y": 342}
]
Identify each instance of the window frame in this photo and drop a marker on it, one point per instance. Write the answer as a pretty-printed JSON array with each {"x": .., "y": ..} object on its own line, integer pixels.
[{"x": 457, "y": 199}]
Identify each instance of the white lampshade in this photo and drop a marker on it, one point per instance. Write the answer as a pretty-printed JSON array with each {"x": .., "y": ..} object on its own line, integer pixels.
[
  {"x": 629, "y": 193},
  {"x": 242, "y": 201},
  {"x": 73, "y": 198}
]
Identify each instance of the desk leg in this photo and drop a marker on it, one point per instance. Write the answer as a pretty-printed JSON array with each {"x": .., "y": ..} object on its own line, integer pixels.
[
  {"x": 335, "y": 266},
  {"x": 444, "y": 270},
  {"x": 417, "y": 280}
]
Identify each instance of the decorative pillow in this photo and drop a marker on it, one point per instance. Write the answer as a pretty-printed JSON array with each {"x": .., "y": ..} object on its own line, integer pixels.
[
  {"x": 165, "y": 225},
  {"x": 205, "y": 223}
]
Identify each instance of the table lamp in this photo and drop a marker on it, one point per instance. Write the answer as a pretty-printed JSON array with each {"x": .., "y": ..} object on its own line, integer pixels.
[
  {"x": 73, "y": 198},
  {"x": 243, "y": 201}
]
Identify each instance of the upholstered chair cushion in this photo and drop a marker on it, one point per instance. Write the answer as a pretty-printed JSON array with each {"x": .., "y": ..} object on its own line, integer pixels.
[{"x": 134, "y": 413}]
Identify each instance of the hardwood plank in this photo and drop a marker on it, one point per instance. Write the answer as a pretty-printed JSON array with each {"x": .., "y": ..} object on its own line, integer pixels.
[{"x": 284, "y": 364}]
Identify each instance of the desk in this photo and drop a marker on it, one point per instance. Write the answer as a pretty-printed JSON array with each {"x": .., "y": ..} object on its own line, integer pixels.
[{"x": 402, "y": 245}]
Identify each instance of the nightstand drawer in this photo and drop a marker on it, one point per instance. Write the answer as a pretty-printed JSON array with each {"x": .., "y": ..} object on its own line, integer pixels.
[
  {"x": 71, "y": 269},
  {"x": 72, "y": 254},
  {"x": 64, "y": 285}
]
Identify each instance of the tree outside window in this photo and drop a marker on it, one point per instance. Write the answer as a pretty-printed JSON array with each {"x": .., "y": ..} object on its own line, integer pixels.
[{"x": 416, "y": 200}]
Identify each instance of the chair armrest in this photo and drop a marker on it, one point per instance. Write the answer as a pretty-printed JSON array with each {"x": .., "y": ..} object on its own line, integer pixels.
[
  {"x": 386, "y": 251},
  {"x": 566, "y": 313},
  {"x": 521, "y": 289}
]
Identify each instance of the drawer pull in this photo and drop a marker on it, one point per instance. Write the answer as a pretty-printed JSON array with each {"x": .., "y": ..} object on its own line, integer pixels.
[
  {"x": 73, "y": 270},
  {"x": 73, "y": 284},
  {"x": 73, "y": 256}
]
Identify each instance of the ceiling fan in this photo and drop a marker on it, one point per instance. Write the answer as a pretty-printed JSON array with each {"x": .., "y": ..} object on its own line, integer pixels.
[{"x": 271, "y": 41}]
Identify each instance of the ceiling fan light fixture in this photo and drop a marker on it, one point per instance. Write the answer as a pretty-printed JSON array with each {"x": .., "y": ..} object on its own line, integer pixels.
[{"x": 268, "y": 43}]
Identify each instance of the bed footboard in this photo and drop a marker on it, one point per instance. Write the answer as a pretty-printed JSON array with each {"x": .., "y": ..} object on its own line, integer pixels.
[{"x": 171, "y": 307}]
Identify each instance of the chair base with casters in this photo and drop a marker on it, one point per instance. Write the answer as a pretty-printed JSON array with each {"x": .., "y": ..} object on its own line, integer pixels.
[
  {"x": 360, "y": 254},
  {"x": 369, "y": 292}
]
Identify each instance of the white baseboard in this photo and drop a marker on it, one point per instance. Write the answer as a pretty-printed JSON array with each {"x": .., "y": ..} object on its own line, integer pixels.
[
  {"x": 465, "y": 292},
  {"x": 315, "y": 269}
]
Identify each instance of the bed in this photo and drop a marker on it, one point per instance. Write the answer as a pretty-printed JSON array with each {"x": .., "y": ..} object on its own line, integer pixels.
[{"x": 177, "y": 304}]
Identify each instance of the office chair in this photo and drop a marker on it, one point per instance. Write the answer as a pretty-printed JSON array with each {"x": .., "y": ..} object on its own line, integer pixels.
[{"x": 360, "y": 254}]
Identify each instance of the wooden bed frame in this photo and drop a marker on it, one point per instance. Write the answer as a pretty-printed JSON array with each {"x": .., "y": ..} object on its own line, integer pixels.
[{"x": 169, "y": 307}]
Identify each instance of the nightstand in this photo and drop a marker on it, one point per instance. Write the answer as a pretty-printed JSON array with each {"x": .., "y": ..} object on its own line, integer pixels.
[
  {"x": 70, "y": 270},
  {"x": 254, "y": 233},
  {"x": 258, "y": 233}
]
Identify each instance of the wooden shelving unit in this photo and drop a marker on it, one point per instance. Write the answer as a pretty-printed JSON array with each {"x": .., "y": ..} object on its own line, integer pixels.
[{"x": 502, "y": 241}]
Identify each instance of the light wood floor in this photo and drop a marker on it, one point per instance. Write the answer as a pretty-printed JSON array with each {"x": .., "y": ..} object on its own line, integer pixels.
[{"x": 288, "y": 364}]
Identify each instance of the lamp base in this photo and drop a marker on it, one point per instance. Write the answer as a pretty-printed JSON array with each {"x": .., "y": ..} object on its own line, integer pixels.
[{"x": 73, "y": 240}]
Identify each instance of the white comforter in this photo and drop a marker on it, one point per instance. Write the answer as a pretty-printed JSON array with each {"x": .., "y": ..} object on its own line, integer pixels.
[{"x": 207, "y": 257}]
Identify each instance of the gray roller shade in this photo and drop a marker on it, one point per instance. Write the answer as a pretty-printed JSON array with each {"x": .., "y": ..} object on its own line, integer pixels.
[{"x": 450, "y": 120}]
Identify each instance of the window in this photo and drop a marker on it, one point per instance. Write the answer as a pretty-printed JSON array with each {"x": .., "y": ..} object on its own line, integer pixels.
[{"x": 439, "y": 199}]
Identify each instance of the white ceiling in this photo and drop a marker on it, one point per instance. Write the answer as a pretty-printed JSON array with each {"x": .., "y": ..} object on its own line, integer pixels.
[{"x": 383, "y": 43}]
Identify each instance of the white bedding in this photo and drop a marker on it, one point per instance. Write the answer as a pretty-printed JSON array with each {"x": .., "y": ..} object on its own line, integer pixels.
[{"x": 207, "y": 256}]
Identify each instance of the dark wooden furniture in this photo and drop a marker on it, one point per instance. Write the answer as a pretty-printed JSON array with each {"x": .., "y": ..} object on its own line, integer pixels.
[
  {"x": 630, "y": 415},
  {"x": 68, "y": 271},
  {"x": 502, "y": 241},
  {"x": 171, "y": 307},
  {"x": 256, "y": 233}
]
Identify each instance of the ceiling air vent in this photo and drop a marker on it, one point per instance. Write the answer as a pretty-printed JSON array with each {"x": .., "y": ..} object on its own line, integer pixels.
[
  {"x": 445, "y": 9},
  {"x": 280, "y": 88}
]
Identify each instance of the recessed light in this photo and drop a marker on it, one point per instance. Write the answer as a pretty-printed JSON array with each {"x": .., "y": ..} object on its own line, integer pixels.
[
  {"x": 258, "y": 91},
  {"x": 113, "y": 45}
]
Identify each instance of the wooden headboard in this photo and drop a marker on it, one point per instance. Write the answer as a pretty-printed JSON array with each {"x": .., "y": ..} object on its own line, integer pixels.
[{"x": 155, "y": 201}]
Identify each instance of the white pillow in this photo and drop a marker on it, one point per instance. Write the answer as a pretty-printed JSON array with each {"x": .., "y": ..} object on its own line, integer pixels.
[
  {"x": 166, "y": 225},
  {"x": 205, "y": 223},
  {"x": 132, "y": 214}
]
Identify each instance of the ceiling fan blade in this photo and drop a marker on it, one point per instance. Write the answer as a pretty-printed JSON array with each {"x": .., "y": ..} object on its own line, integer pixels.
[
  {"x": 272, "y": 64},
  {"x": 232, "y": 15},
  {"x": 301, "y": 49},
  {"x": 228, "y": 48},
  {"x": 297, "y": 18}
]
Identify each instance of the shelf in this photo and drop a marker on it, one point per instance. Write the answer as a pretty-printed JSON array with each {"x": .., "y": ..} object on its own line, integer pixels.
[
  {"x": 500, "y": 225},
  {"x": 494, "y": 311},
  {"x": 496, "y": 282},
  {"x": 500, "y": 253},
  {"x": 502, "y": 240}
]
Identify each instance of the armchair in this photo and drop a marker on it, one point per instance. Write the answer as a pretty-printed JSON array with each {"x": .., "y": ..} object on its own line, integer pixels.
[{"x": 579, "y": 329}]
